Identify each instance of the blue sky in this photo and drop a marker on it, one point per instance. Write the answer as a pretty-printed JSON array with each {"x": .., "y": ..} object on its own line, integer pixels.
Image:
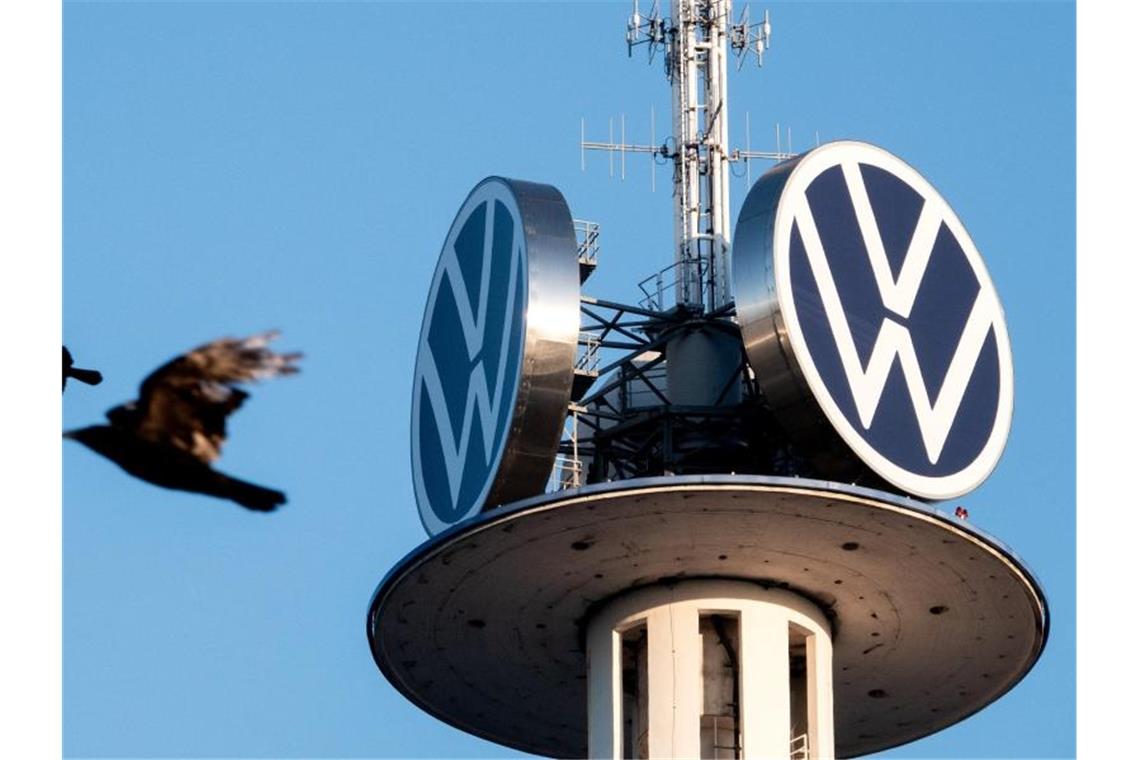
[{"x": 230, "y": 167}]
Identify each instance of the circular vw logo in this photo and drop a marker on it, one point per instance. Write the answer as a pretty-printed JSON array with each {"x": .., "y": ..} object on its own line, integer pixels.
[
  {"x": 474, "y": 418},
  {"x": 892, "y": 324}
]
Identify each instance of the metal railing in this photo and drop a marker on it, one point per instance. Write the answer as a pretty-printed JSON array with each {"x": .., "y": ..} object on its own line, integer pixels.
[
  {"x": 799, "y": 748},
  {"x": 569, "y": 469},
  {"x": 589, "y": 359},
  {"x": 719, "y": 733},
  {"x": 587, "y": 235},
  {"x": 567, "y": 473},
  {"x": 661, "y": 290}
]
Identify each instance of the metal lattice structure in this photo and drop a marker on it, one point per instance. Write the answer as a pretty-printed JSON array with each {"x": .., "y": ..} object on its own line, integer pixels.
[{"x": 630, "y": 423}]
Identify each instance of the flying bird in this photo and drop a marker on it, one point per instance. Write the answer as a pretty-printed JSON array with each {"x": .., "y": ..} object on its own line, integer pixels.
[
  {"x": 176, "y": 427},
  {"x": 89, "y": 376}
]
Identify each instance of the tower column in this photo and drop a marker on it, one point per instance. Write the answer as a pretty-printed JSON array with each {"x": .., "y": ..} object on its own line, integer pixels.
[
  {"x": 766, "y": 704},
  {"x": 709, "y": 669}
]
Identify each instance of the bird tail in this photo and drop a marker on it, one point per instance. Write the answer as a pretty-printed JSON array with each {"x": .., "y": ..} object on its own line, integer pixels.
[
  {"x": 248, "y": 495},
  {"x": 89, "y": 376}
]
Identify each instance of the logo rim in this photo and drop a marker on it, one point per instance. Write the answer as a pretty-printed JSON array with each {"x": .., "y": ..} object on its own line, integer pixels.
[
  {"x": 792, "y": 195},
  {"x": 486, "y": 192}
]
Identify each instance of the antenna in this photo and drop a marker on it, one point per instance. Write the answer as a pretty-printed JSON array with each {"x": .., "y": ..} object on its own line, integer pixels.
[
  {"x": 695, "y": 40},
  {"x": 622, "y": 147},
  {"x": 750, "y": 38},
  {"x": 649, "y": 30},
  {"x": 611, "y": 143},
  {"x": 653, "y": 141},
  {"x": 748, "y": 145}
]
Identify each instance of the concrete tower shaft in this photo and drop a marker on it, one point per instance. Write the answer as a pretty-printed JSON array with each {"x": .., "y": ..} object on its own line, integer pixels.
[{"x": 710, "y": 669}]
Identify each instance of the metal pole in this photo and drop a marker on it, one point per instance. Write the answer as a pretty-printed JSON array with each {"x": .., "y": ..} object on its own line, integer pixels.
[
  {"x": 692, "y": 155},
  {"x": 623, "y": 146}
]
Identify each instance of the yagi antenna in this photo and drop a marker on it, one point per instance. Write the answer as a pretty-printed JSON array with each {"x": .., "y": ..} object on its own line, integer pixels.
[{"x": 621, "y": 147}]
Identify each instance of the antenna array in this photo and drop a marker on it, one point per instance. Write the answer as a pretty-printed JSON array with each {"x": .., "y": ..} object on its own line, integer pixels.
[{"x": 695, "y": 38}]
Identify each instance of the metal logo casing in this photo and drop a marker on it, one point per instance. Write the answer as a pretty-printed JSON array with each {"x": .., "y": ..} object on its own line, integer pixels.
[
  {"x": 496, "y": 352},
  {"x": 860, "y": 294}
]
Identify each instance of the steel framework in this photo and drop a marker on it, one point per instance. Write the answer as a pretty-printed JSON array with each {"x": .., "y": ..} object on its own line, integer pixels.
[{"x": 629, "y": 425}]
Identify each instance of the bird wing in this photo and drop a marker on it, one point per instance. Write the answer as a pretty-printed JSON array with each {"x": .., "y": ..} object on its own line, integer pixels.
[{"x": 185, "y": 402}]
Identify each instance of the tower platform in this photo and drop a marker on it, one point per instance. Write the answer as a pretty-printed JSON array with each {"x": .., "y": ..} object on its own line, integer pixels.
[{"x": 483, "y": 626}]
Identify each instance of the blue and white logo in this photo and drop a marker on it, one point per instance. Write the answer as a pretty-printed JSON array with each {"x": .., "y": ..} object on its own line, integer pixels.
[
  {"x": 894, "y": 321},
  {"x": 470, "y": 358}
]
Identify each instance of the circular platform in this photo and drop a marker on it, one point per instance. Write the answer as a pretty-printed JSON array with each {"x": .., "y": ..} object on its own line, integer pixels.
[{"x": 483, "y": 625}]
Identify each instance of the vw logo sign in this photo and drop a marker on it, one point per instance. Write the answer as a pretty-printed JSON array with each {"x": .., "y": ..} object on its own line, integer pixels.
[
  {"x": 502, "y": 308},
  {"x": 858, "y": 287}
]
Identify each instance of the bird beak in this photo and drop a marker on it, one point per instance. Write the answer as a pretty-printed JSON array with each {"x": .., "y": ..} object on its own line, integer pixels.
[{"x": 69, "y": 434}]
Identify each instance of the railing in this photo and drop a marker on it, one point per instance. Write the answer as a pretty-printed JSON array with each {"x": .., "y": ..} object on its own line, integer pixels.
[
  {"x": 589, "y": 360},
  {"x": 662, "y": 289},
  {"x": 799, "y": 748},
  {"x": 568, "y": 470},
  {"x": 587, "y": 235},
  {"x": 720, "y": 738},
  {"x": 567, "y": 473}
]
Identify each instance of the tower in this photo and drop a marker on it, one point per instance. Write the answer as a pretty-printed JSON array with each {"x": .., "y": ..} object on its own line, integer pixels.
[{"x": 721, "y": 540}]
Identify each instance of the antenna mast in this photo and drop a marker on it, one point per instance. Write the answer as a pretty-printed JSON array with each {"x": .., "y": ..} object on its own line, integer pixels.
[{"x": 695, "y": 40}]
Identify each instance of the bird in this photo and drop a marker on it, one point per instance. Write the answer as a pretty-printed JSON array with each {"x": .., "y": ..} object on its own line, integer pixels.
[
  {"x": 89, "y": 376},
  {"x": 961, "y": 513},
  {"x": 171, "y": 434}
]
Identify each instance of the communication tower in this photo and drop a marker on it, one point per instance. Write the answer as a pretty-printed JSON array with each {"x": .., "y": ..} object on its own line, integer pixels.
[{"x": 706, "y": 524}]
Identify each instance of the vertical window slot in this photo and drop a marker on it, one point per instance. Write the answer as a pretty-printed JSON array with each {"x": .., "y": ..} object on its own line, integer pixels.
[
  {"x": 798, "y": 682},
  {"x": 720, "y": 681},
  {"x": 635, "y": 693}
]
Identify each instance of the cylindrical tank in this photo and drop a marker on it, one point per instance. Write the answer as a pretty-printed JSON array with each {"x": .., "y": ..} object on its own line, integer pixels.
[{"x": 703, "y": 367}]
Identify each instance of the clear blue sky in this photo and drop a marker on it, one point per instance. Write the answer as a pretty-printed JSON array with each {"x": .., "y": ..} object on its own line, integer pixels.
[{"x": 230, "y": 167}]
